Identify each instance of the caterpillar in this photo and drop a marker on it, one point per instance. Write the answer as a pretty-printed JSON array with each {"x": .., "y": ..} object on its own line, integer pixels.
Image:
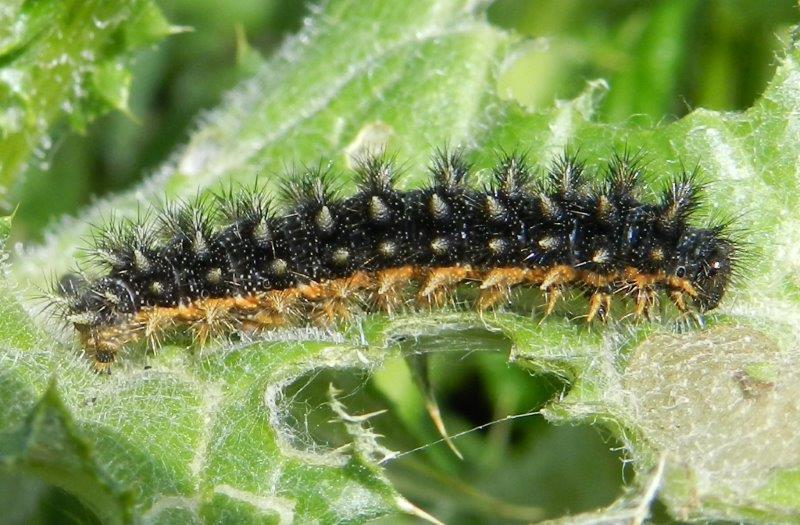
[{"x": 234, "y": 263}]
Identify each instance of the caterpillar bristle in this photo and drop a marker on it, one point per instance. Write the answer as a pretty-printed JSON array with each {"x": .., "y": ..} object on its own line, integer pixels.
[
  {"x": 377, "y": 173},
  {"x": 512, "y": 175},
  {"x": 314, "y": 186},
  {"x": 566, "y": 176},
  {"x": 232, "y": 263},
  {"x": 681, "y": 200},
  {"x": 624, "y": 173},
  {"x": 449, "y": 168},
  {"x": 248, "y": 205}
]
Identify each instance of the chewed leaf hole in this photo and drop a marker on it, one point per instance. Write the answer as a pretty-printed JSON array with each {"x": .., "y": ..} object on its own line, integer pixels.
[{"x": 566, "y": 469}]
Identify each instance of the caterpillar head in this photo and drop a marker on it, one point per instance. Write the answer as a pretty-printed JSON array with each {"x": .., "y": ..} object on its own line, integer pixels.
[{"x": 705, "y": 258}]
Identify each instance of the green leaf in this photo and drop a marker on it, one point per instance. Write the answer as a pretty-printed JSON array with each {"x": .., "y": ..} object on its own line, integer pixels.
[
  {"x": 248, "y": 59},
  {"x": 112, "y": 82},
  {"x": 148, "y": 27},
  {"x": 204, "y": 434},
  {"x": 64, "y": 60},
  {"x": 49, "y": 446}
]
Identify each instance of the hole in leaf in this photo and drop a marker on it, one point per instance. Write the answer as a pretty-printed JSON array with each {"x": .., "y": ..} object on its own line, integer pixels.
[{"x": 516, "y": 470}]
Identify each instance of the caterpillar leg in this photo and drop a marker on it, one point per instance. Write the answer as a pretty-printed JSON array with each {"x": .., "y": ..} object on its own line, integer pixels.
[
  {"x": 337, "y": 298},
  {"x": 389, "y": 286},
  {"x": 273, "y": 309},
  {"x": 439, "y": 284},
  {"x": 645, "y": 299},
  {"x": 496, "y": 285},
  {"x": 102, "y": 361},
  {"x": 599, "y": 306},
  {"x": 155, "y": 324},
  {"x": 678, "y": 298},
  {"x": 558, "y": 276},
  {"x": 679, "y": 301},
  {"x": 553, "y": 283},
  {"x": 212, "y": 320},
  {"x": 553, "y": 294},
  {"x": 102, "y": 344}
]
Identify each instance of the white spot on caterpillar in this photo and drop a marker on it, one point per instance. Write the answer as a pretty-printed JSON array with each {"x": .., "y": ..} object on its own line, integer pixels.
[
  {"x": 548, "y": 242},
  {"x": 604, "y": 207},
  {"x": 156, "y": 288},
  {"x": 547, "y": 206},
  {"x": 497, "y": 246},
  {"x": 214, "y": 276},
  {"x": 140, "y": 261},
  {"x": 278, "y": 267},
  {"x": 440, "y": 245},
  {"x": 340, "y": 256},
  {"x": 437, "y": 207},
  {"x": 493, "y": 208},
  {"x": 601, "y": 256},
  {"x": 324, "y": 220},
  {"x": 378, "y": 211},
  {"x": 199, "y": 245},
  {"x": 387, "y": 248},
  {"x": 261, "y": 232}
]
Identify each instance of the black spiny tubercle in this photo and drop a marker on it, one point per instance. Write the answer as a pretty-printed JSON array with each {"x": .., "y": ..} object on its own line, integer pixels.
[{"x": 235, "y": 263}]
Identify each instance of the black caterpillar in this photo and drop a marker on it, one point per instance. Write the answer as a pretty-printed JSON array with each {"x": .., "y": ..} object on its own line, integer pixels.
[{"x": 233, "y": 264}]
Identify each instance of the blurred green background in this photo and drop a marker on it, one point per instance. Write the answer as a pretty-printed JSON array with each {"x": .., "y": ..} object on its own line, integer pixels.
[{"x": 661, "y": 60}]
